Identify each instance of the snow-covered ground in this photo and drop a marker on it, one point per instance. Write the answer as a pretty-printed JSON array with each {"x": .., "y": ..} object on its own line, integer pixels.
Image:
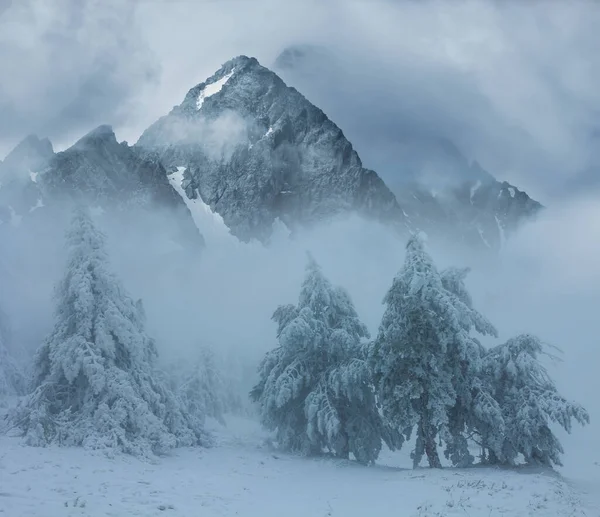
[{"x": 241, "y": 476}]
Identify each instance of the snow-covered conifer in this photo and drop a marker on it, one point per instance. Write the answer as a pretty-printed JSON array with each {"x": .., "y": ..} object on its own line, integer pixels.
[
  {"x": 94, "y": 376},
  {"x": 530, "y": 403},
  {"x": 474, "y": 409},
  {"x": 424, "y": 358},
  {"x": 315, "y": 387},
  {"x": 203, "y": 391},
  {"x": 12, "y": 379}
]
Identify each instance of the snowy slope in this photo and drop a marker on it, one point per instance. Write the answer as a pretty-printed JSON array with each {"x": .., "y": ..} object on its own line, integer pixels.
[
  {"x": 241, "y": 476},
  {"x": 204, "y": 218}
]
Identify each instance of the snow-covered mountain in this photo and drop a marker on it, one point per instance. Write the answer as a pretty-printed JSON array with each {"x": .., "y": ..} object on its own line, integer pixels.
[
  {"x": 20, "y": 192},
  {"x": 107, "y": 174},
  {"x": 440, "y": 190},
  {"x": 256, "y": 150}
]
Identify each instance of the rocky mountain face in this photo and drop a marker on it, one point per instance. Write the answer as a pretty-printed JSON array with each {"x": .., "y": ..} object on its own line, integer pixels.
[
  {"x": 107, "y": 175},
  {"x": 479, "y": 214},
  {"x": 256, "y": 150},
  {"x": 20, "y": 192},
  {"x": 439, "y": 189}
]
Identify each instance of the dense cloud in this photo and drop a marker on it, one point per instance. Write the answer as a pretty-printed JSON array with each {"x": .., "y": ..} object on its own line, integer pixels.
[
  {"x": 69, "y": 65},
  {"x": 511, "y": 84}
]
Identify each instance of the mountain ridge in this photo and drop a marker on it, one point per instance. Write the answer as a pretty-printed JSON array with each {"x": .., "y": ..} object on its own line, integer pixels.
[
  {"x": 299, "y": 147},
  {"x": 256, "y": 150},
  {"x": 430, "y": 176}
]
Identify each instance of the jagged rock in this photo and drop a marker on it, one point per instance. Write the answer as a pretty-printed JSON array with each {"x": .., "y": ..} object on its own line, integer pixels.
[
  {"x": 439, "y": 189},
  {"x": 20, "y": 193},
  {"x": 97, "y": 169},
  {"x": 275, "y": 155}
]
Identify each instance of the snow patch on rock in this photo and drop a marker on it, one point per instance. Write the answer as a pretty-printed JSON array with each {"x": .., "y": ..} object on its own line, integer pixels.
[
  {"x": 474, "y": 189},
  {"x": 207, "y": 221},
  {"x": 210, "y": 89},
  {"x": 483, "y": 237},
  {"x": 39, "y": 204},
  {"x": 501, "y": 232}
]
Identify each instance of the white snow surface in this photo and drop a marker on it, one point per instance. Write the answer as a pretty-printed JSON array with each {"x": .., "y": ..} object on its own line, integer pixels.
[
  {"x": 241, "y": 476},
  {"x": 511, "y": 191},
  {"x": 33, "y": 176},
  {"x": 501, "y": 232},
  {"x": 479, "y": 229},
  {"x": 269, "y": 131},
  {"x": 38, "y": 204},
  {"x": 211, "y": 89},
  {"x": 474, "y": 189},
  {"x": 209, "y": 223}
]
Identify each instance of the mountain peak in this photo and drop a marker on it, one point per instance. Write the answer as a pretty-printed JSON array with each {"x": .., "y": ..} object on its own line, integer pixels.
[
  {"x": 103, "y": 134},
  {"x": 30, "y": 155},
  {"x": 29, "y": 152},
  {"x": 265, "y": 152},
  {"x": 236, "y": 67}
]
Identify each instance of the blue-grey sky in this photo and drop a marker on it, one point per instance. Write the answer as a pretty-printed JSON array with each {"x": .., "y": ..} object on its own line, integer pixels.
[{"x": 513, "y": 84}]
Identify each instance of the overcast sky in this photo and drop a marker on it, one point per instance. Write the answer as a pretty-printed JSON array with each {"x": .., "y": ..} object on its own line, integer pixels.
[{"x": 513, "y": 84}]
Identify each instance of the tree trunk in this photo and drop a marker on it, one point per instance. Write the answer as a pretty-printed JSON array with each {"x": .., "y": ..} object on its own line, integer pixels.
[
  {"x": 492, "y": 458},
  {"x": 429, "y": 445},
  {"x": 425, "y": 445},
  {"x": 432, "y": 453},
  {"x": 343, "y": 449}
]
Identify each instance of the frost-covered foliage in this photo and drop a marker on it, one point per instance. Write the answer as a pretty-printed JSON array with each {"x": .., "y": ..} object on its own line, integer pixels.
[
  {"x": 203, "y": 390},
  {"x": 529, "y": 402},
  {"x": 94, "y": 376},
  {"x": 315, "y": 387},
  {"x": 424, "y": 359},
  {"x": 12, "y": 379},
  {"x": 474, "y": 407}
]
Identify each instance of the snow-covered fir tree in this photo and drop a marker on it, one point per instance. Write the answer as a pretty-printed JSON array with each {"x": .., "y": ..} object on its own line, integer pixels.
[
  {"x": 425, "y": 360},
  {"x": 203, "y": 390},
  {"x": 474, "y": 408},
  {"x": 12, "y": 379},
  {"x": 238, "y": 376},
  {"x": 530, "y": 404},
  {"x": 94, "y": 376},
  {"x": 315, "y": 387}
]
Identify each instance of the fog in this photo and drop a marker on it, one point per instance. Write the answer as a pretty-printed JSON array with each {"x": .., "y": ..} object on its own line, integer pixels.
[
  {"x": 515, "y": 91},
  {"x": 546, "y": 281},
  {"x": 512, "y": 84}
]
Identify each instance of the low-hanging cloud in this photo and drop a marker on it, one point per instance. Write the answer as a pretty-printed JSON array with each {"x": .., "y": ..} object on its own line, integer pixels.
[
  {"x": 69, "y": 65},
  {"x": 512, "y": 84}
]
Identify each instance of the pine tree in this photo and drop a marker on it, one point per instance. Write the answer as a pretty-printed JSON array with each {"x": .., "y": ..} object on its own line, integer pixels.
[
  {"x": 424, "y": 359},
  {"x": 315, "y": 387},
  {"x": 474, "y": 407},
  {"x": 529, "y": 402},
  {"x": 94, "y": 375},
  {"x": 12, "y": 379},
  {"x": 203, "y": 390}
]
